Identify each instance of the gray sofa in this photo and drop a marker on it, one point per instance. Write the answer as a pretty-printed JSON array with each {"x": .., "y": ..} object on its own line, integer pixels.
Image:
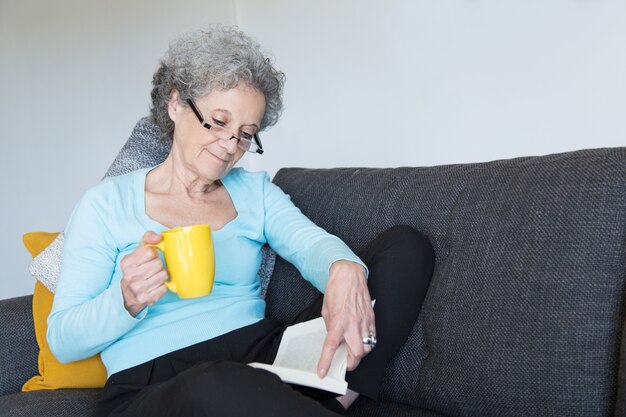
[{"x": 525, "y": 312}]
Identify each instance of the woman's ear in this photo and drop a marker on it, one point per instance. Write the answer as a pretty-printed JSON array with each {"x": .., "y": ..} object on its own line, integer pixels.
[{"x": 173, "y": 106}]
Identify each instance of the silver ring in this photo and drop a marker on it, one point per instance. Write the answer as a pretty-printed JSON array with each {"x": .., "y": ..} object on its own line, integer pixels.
[{"x": 370, "y": 340}]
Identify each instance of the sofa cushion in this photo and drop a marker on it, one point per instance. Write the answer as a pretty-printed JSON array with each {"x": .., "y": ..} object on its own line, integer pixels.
[
  {"x": 60, "y": 403},
  {"x": 86, "y": 373},
  {"x": 46, "y": 265},
  {"x": 523, "y": 313}
]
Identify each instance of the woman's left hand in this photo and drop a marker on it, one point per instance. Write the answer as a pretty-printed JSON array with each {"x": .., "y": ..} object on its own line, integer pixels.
[{"x": 348, "y": 314}]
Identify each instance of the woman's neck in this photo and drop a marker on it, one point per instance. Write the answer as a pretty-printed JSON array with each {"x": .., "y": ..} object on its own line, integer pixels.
[{"x": 173, "y": 178}]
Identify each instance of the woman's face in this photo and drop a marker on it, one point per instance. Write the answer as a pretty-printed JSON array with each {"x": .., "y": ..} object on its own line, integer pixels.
[{"x": 206, "y": 152}]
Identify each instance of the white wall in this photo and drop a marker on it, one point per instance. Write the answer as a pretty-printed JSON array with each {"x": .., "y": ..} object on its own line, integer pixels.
[
  {"x": 369, "y": 83},
  {"x": 429, "y": 82}
]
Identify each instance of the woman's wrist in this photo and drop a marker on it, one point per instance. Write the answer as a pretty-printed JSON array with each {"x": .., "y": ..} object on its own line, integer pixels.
[{"x": 343, "y": 265}]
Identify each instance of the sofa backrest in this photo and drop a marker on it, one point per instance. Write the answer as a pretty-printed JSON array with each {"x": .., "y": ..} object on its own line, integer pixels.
[{"x": 524, "y": 313}]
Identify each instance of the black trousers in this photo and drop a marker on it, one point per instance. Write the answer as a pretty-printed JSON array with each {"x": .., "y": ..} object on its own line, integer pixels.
[{"x": 212, "y": 379}]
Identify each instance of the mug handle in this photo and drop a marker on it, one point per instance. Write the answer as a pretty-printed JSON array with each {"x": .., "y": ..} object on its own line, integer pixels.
[{"x": 168, "y": 284}]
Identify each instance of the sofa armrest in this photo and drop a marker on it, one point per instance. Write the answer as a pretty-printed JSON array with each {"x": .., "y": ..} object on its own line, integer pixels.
[{"x": 18, "y": 346}]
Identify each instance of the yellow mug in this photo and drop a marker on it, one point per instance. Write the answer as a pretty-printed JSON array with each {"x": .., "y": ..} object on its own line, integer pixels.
[{"x": 190, "y": 260}]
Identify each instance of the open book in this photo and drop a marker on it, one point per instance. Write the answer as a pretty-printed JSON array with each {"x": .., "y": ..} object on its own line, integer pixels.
[{"x": 298, "y": 354}]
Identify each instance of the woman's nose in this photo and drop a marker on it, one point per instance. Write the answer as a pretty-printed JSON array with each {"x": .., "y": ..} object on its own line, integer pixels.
[{"x": 230, "y": 144}]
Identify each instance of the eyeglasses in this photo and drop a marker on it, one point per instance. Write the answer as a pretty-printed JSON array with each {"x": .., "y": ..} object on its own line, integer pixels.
[{"x": 243, "y": 143}]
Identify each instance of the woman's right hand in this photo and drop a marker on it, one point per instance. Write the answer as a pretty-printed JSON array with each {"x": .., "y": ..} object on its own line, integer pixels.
[{"x": 143, "y": 275}]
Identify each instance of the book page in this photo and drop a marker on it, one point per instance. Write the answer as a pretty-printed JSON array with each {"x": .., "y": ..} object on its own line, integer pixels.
[
  {"x": 301, "y": 348},
  {"x": 295, "y": 376},
  {"x": 299, "y": 353}
]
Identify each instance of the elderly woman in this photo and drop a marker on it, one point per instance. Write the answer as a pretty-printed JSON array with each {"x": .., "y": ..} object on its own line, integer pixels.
[{"x": 212, "y": 95}]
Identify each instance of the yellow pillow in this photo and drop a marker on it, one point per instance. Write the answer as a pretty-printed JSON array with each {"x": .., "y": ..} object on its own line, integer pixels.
[{"x": 87, "y": 373}]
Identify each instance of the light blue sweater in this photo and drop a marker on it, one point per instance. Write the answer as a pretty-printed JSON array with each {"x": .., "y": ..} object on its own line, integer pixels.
[{"x": 88, "y": 315}]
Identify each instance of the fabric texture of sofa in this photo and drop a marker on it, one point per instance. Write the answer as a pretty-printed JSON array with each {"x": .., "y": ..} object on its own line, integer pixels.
[{"x": 525, "y": 312}]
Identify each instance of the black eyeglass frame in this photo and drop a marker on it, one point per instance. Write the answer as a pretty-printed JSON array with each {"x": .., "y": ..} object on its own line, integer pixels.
[{"x": 207, "y": 126}]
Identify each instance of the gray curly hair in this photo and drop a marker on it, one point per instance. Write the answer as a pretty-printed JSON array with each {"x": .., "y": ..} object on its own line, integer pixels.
[{"x": 202, "y": 61}]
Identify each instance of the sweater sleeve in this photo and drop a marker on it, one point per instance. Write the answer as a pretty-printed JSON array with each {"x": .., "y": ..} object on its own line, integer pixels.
[
  {"x": 298, "y": 240},
  {"x": 88, "y": 312}
]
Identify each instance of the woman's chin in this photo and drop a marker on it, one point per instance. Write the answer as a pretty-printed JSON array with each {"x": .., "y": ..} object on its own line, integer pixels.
[
  {"x": 212, "y": 173},
  {"x": 211, "y": 167}
]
